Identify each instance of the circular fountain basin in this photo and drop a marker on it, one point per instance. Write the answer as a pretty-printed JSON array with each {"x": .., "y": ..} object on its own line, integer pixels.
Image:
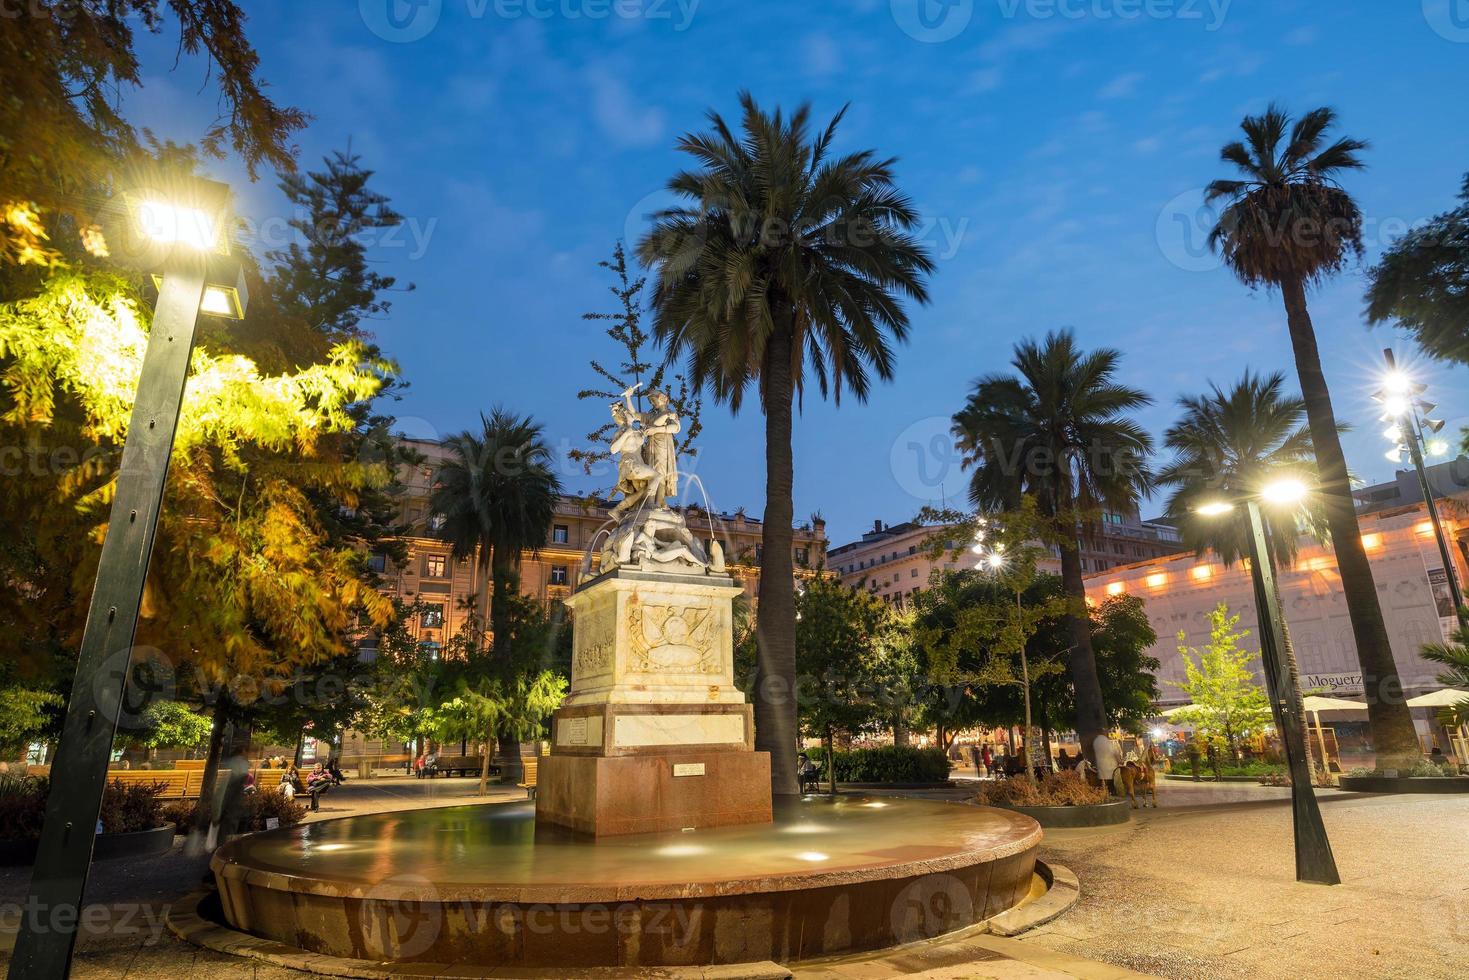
[{"x": 482, "y": 884}]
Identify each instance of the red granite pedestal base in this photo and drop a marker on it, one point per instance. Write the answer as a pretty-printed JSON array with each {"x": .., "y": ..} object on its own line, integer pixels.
[{"x": 639, "y": 794}]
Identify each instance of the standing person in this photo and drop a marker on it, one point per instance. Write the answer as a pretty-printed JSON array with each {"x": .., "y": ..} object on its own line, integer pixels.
[
  {"x": 988, "y": 758},
  {"x": 975, "y": 760}
]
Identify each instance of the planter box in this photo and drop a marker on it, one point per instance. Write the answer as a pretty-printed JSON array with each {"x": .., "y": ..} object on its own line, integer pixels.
[
  {"x": 1095, "y": 815},
  {"x": 138, "y": 843},
  {"x": 1206, "y": 778},
  {"x": 1405, "y": 784}
]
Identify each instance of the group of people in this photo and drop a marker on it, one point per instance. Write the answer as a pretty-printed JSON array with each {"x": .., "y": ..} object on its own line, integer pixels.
[{"x": 322, "y": 777}]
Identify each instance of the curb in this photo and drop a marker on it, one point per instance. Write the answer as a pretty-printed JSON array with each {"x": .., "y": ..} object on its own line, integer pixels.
[{"x": 1063, "y": 890}]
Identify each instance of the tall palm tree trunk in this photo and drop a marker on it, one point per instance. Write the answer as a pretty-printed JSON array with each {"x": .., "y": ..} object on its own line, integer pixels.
[
  {"x": 775, "y": 674},
  {"x": 1393, "y": 735},
  {"x": 1091, "y": 712},
  {"x": 503, "y": 579},
  {"x": 1295, "y": 680}
]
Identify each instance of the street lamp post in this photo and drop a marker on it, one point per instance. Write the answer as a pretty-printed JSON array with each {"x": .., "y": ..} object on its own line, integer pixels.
[
  {"x": 188, "y": 230},
  {"x": 1314, "y": 859},
  {"x": 1398, "y": 397}
]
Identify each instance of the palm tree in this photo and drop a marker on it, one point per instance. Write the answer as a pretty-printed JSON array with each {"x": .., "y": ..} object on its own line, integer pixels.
[
  {"x": 783, "y": 259},
  {"x": 1230, "y": 443},
  {"x": 1287, "y": 223},
  {"x": 1059, "y": 430},
  {"x": 497, "y": 494}
]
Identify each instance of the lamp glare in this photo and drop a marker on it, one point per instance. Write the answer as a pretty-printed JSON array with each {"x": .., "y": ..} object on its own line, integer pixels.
[{"x": 170, "y": 224}]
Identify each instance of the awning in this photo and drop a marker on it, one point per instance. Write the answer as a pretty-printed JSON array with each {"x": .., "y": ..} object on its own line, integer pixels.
[
  {"x": 1446, "y": 698},
  {"x": 1316, "y": 702}
]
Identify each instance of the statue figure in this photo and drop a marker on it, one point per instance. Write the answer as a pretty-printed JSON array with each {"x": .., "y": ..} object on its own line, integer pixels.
[
  {"x": 636, "y": 479},
  {"x": 660, "y": 425},
  {"x": 647, "y": 529}
]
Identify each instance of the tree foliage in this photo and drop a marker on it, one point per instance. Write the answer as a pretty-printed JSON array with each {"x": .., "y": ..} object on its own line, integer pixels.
[
  {"x": 1225, "y": 699},
  {"x": 65, "y": 145},
  {"x": 1422, "y": 283}
]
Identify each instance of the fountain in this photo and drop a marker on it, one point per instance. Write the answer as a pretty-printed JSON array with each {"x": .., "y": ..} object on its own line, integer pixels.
[{"x": 653, "y": 840}]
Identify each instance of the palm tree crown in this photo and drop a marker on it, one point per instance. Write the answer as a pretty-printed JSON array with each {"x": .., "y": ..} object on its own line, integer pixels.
[
  {"x": 1285, "y": 218},
  {"x": 1233, "y": 442},
  {"x": 496, "y": 495},
  {"x": 782, "y": 258},
  {"x": 1059, "y": 429},
  {"x": 778, "y": 238}
]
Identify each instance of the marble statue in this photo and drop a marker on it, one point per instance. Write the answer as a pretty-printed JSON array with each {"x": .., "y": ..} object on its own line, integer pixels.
[{"x": 648, "y": 532}]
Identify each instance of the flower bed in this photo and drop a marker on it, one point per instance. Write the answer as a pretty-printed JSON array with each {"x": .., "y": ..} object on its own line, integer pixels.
[{"x": 1062, "y": 799}]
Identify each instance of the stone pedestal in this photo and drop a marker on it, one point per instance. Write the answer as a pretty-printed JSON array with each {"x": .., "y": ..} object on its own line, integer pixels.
[{"x": 654, "y": 735}]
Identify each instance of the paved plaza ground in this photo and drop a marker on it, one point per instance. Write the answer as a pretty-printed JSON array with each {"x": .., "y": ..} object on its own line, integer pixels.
[{"x": 1200, "y": 888}]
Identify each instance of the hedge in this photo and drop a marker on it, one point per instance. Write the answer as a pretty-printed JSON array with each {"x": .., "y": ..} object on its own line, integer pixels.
[{"x": 887, "y": 764}]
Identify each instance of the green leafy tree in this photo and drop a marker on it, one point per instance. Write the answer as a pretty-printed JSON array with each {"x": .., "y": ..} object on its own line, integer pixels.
[
  {"x": 1059, "y": 430},
  {"x": 170, "y": 724},
  {"x": 783, "y": 258},
  {"x": 635, "y": 369},
  {"x": 1226, "y": 701},
  {"x": 25, "y": 714},
  {"x": 1422, "y": 284},
  {"x": 1287, "y": 223},
  {"x": 1122, "y": 636},
  {"x": 838, "y": 652}
]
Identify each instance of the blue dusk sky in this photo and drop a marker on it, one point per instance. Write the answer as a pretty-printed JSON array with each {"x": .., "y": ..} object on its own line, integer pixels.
[{"x": 1056, "y": 149}]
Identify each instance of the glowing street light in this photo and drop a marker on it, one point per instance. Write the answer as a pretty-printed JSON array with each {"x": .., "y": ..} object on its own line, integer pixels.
[
  {"x": 1314, "y": 860},
  {"x": 1399, "y": 394},
  {"x": 184, "y": 244}
]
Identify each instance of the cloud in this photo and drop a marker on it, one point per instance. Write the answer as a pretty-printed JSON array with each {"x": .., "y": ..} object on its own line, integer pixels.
[
  {"x": 822, "y": 55},
  {"x": 1302, "y": 35},
  {"x": 618, "y": 115},
  {"x": 986, "y": 79},
  {"x": 1122, "y": 86}
]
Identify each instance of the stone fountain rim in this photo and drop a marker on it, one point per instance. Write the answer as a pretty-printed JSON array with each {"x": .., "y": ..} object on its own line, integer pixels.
[{"x": 407, "y": 888}]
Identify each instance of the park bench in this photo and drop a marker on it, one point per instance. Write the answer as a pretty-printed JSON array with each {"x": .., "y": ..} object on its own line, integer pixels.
[{"x": 529, "y": 785}]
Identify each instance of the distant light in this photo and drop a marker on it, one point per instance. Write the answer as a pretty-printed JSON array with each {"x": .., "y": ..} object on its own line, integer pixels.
[
  {"x": 875, "y": 804},
  {"x": 1284, "y": 492},
  {"x": 813, "y": 856},
  {"x": 682, "y": 850},
  {"x": 1393, "y": 434},
  {"x": 804, "y": 828},
  {"x": 1372, "y": 541},
  {"x": 1424, "y": 528},
  {"x": 997, "y": 560},
  {"x": 1396, "y": 383},
  {"x": 1156, "y": 580},
  {"x": 1201, "y": 572},
  {"x": 1394, "y": 455},
  {"x": 1438, "y": 447},
  {"x": 1115, "y": 588},
  {"x": 1157, "y": 733},
  {"x": 1214, "y": 508},
  {"x": 169, "y": 224}
]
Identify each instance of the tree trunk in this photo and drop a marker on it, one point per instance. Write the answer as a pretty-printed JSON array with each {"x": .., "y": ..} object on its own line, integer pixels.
[
  {"x": 1393, "y": 735},
  {"x": 511, "y": 768},
  {"x": 1025, "y": 686},
  {"x": 901, "y": 735},
  {"x": 501, "y": 572},
  {"x": 484, "y": 768},
  {"x": 204, "y": 810},
  {"x": 1289, "y": 653},
  {"x": 775, "y": 673},
  {"x": 831, "y": 762},
  {"x": 1091, "y": 713}
]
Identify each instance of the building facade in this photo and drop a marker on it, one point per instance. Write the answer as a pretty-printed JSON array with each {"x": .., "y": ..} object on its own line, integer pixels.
[
  {"x": 447, "y": 588},
  {"x": 892, "y": 561},
  {"x": 1180, "y": 590}
]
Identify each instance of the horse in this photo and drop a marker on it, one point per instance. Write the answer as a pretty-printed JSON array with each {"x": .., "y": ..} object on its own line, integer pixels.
[{"x": 1140, "y": 776}]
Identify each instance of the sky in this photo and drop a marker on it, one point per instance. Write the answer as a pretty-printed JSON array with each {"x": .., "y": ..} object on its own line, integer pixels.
[{"x": 1056, "y": 150}]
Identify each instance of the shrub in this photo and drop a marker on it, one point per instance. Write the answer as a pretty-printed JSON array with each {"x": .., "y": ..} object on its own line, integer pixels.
[
  {"x": 887, "y": 764},
  {"x": 125, "y": 808},
  {"x": 22, "y": 807},
  {"x": 1056, "y": 789},
  {"x": 131, "y": 807},
  {"x": 1275, "y": 779},
  {"x": 180, "y": 813},
  {"x": 259, "y": 806}
]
